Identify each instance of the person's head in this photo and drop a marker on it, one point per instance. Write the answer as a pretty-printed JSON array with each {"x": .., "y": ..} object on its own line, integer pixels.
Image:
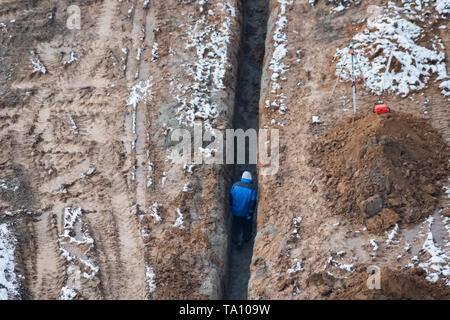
[{"x": 247, "y": 176}]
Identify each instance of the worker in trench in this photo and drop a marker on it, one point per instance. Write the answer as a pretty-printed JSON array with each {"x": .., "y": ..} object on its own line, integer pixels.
[{"x": 242, "y": 206}]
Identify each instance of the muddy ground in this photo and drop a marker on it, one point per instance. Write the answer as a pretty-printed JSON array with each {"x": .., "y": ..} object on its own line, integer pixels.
[
  {"x": 95, "y": 205},
  {"x": 86, "y": 122}
]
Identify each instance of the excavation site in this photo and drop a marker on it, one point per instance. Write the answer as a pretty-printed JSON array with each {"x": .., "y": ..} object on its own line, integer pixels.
[{"x": 230, "y": 150}]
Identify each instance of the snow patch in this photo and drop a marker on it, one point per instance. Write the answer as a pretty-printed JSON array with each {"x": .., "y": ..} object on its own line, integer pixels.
[
  {"x": 210, "y": 41},
  {"x": 150, "y": 279},
  {"x": 155, "y": 54},
  {"x": 154, "y": 209},
  {"x": 316, "y": 119},
  {"x": 296, "y": 221},
  {"x": 76, "y": 237},
  {"x": 276, "y": 63},
  {"x": 180, "y": 220},
  {"x": 394, "y": 32},
  {"x": 72, "y": 59},
  {"x": 438, "y": 265},
  {"x": 374, "y": 244},
  {"x": 67, "y": 293},
  {"x": 297, "y": 267},
  {"x": 38, "y": 66},
  {"x": 8, "y": 280},
  {"x": 392, "y": 235}
]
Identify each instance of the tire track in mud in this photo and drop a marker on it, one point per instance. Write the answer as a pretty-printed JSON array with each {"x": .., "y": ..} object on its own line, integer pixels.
[
  {"x": 139, "y": 69},
  {"x": 48, "y": 271},
  {"x": 132, "y": 271},
  {"x": 118, "y": 250},
  {"x": 136, "y": 123},
  {"x": 127, "y": 277}
]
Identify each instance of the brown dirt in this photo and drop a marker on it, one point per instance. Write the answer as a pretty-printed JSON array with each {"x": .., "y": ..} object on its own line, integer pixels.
[
  {"x": 297, "y": 190},
  {"x": 397, "y": 156},
  {"x": 395, "y": 284},
  {"x": 137, "y": 257}
]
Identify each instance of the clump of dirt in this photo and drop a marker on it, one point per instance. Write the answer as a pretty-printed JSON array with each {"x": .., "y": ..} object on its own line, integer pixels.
[
  {"x": 381, "y": 169},
  {"x": 394, "y": 284}
]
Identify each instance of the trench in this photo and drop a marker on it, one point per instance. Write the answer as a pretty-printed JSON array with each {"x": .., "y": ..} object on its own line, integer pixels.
[{"x": 255, "y": 15}]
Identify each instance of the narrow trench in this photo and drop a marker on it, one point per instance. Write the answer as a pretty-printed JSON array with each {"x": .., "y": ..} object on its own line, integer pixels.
[{"x": 246, "y": 116}]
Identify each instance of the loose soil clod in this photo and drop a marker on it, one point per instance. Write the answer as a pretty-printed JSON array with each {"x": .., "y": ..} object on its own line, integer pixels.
[{"x": 394, "y": 161}]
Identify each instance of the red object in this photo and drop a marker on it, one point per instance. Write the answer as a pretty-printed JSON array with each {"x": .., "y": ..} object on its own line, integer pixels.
[{"x": 381, "y": 108}]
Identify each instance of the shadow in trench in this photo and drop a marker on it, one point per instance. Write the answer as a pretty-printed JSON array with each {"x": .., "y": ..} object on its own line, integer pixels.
[{"x": 251, "y": 57}]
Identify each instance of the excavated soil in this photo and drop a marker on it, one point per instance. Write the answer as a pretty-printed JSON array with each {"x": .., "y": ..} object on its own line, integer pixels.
[
  {"x": 395, "y": 284},
  {"x": 383, "y": 168}
]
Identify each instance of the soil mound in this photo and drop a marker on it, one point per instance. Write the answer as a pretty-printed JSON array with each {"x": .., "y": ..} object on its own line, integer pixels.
[{"x": 383, "y": 168}]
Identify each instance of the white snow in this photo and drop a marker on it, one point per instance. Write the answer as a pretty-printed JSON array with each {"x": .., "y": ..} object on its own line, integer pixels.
[
  {"x": 8, "y": 186},
  {"x": 163, "y": 179},
  {"x": 180, "y": 220},
  {"x": 155, "y": 211},
  {"x": 130, "y": 11},
  {"x": 316, "y": 119},
  {"x": 67, "y": 293},
  {"x": 140, "y": 92},
  {"x": 445, "y": 86},
  {"x": 343, "y": 266},
  {"x": 443, "y": 6},
  {"x": 72, "y": 59},
  {"x": 73, "y": 126},
  {"x": 37, "y": 65},
  {"x": 150, "y": 279},
  {"x": 8, "y": 279},
  {"x": 207, "y": 152},
  {"x": 296, "y": 221},
  {"x": 88, "y": 173},
  {"x": 340, "y": 253},
  {"x": 149, "y": 172},
  {"x": 155, "y": 55},
  {"x": 438, "y": 265},
  {"x": 392, "y": 235},
  {"x": 205, "y": 76},
  {"x": 374, "y": 244},
  {"x": 76, "y": 232},
  {"x": 297, "y": 267},
  {"x": 277, "y": 65},
  {"x": 188, "y": 168},
  {"x": 342, "y": 5},
  {"x": 395, "y": 31},
  {"x": 139, "y": 54}
]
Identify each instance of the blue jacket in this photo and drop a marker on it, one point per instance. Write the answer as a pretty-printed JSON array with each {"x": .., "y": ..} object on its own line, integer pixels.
[{"x": 243, "y": 198}]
